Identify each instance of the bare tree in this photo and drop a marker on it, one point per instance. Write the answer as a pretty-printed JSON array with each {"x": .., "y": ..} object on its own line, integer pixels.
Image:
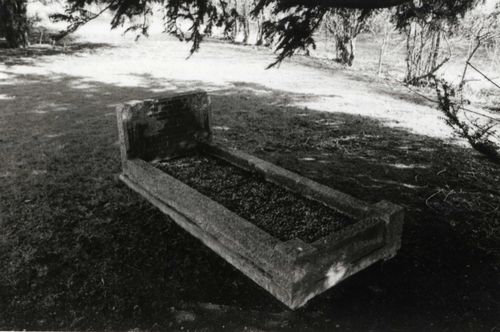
[
  {"x": 427, "y": 26},
  {"x": 424, "y": 54},
  {"x": 485, "y": 24},
  {"x": 237, "y": 20},
  {"x": 383, "y": 30},
  {"x": 345, "y": 25},
  {"x": 244, "y": 19}
]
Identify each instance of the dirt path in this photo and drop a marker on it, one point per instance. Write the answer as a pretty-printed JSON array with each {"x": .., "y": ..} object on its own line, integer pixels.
[{"x": 159, "y": 63}]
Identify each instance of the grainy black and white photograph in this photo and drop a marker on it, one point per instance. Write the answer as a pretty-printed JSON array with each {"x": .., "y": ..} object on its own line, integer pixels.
[{"x": 250, "y": 165}]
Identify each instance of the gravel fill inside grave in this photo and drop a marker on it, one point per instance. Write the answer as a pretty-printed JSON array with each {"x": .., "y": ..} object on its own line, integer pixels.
[{"x": 283, "y": 214}]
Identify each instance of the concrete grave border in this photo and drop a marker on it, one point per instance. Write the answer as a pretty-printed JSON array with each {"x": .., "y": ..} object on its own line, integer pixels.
[{"x": 292, "y": 271}]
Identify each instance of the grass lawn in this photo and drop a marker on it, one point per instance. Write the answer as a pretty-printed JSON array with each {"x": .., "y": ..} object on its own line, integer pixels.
[{"x": 79, "y": 250}]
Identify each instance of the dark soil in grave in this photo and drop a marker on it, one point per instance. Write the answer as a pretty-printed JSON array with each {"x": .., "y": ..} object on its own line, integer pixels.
[{"x": 281, "y": 213}]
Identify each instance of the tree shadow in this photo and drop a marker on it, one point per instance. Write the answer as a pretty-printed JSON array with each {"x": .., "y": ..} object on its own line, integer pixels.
[
  {"x": 31, "y": 54},
  {"x": 85, "y": 252}
]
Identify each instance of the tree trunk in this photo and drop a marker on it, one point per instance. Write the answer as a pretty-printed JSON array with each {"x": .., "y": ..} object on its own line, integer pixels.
[
  {"x": 235, "y": 30},
  {"x": 352, "y": 50},
  {"x": 245, "y": 23},
  {"x": 260, "y": 31},
  {"x": 261, "y": 37},
  {"x": 345, "y": 50},
  {"x": 246, "y": 29},
  {"x": 380, "y": 56},
  {"x": 14, "y": 22},
  {"x": 409, "y": 54},
  {"x": 436, "y": 46},
  {"x": 423, "y": 45},
  {"x": 234, "y": 22},
  {"x": 345, "y": 26}
]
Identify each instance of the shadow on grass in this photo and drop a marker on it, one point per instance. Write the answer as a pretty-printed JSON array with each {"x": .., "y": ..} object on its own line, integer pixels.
[
  {"x": 29, "y": 55},
  {"x": 81, "y": 250}
]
